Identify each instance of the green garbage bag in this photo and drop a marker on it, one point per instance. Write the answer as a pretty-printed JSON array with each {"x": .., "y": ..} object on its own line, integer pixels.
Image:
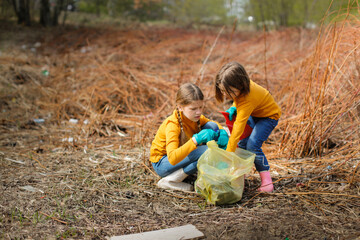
[{"x": 221, "y": 174}]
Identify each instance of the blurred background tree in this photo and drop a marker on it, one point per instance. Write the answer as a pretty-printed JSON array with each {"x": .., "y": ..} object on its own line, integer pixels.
[
  {"x": 255, "y": 13},
  {"x": 22, "y": 11},
  {"x": 285, "y": 13},
  {"x": 197, "y": 12}
]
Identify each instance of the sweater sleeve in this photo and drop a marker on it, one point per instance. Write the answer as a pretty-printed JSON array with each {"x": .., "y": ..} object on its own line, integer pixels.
[
  {"x": 243, "y": 112},
  {"x": 175, "y": 153}
]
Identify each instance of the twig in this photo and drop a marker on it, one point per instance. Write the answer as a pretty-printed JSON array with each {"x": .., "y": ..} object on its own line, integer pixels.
[
  {"x": 304, "y": 199},
  {"x": 315, "y": 193},
  {"x": 250, "y": 200},
  {"x": 33, "y": 158},
  {"x": 353, "y": 175},
  {"x": 207, "y": 57},
  {"x": 149, "y": 169},
  {"x": 53, "y": 218},
  {"x": 20, "y": 162},
  {"x": 265, "y": 63}
]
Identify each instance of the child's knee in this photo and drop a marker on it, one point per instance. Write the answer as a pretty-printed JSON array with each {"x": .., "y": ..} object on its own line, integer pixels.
[
  {"x": 195, "y": 155},
  {"x": 191, "y": 168},
  {"x": 254, "y": 144},
  {"x": 211, "y": 125}
]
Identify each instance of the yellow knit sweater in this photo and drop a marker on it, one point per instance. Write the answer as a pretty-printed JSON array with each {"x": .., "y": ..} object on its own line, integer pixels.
[
  {"x": 167, "y": 138},
  {"x": 258, "y": 103}
]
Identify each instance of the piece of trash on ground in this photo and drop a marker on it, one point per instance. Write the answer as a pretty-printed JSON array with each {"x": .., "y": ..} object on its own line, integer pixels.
[
  {"x": 184, "y": 232},
  {"x": 73, "y": 120},
  {"x": 31, "y": 189},
  {"x": 70, "y": 140},
  {"x": 121, "y": 134},
  {"x": 45, "y": 73},
  {"x": 38, "y": 120}
]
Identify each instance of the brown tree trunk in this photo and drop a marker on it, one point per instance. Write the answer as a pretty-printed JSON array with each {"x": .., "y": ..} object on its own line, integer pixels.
[
  {"x": 45, "y": 14},
  {"x": 48, "y": 16},
  {"x": 97, "y": 3},
  {"x": 22, "y": 10},
  {"x": 57, "y": 10}
]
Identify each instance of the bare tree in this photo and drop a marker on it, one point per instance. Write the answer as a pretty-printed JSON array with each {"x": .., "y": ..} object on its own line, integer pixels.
[
  {"x": 45, "y": 16},
  {"x": 286, "y": 9},
  {"x": 49, "y": 15},
  {"x": 22, "y": 10},
  {"x": 56, "y": 12}
]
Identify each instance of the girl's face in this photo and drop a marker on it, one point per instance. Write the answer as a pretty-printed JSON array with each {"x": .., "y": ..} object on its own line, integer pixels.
[
  {"x": 232, "y": 94},
  {"x": 193, "y": 111}
]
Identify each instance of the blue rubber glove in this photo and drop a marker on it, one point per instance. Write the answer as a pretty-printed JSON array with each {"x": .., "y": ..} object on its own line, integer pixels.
[
  {"x": 232, "y": 112},
  {"x": 223, "y": 139},
  {"x": 205, "y": 135}
]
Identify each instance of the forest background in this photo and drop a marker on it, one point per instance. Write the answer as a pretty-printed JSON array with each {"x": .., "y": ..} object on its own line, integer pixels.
[
  {"x": 84, "y": 85},
  {"x": 258, "y": 13}
]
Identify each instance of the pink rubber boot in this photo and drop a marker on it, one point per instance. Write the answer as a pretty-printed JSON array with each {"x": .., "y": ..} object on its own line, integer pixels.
[{"x": 266, "y": 182}]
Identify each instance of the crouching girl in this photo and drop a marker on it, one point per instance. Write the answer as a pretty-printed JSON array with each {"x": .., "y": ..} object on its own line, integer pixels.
[
  {"x": 254, "y": 103},
  {"x": 181, "y": 139}
]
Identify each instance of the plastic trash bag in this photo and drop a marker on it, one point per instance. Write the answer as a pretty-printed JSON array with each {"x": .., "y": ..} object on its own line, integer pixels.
[{"x": 221, "y": 174}]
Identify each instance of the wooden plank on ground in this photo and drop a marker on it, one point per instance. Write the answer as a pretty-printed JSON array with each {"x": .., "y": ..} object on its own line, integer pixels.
[{"x": 184, "y": 232}]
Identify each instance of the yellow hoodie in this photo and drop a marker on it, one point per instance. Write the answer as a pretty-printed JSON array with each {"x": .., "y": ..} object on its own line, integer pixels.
[
  {"x": 258, "y": 103},
  {"x": 167, "y": 138}
]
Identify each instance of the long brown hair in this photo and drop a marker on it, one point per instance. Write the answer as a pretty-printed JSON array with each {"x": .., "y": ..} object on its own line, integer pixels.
[
  {"x": 231, "y": 75},
  {"x": 187, "y": 94}
]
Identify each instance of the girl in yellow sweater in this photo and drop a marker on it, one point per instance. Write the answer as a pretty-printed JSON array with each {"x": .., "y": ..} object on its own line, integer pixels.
[
  {"x": 251, "y": 102},
  {"x": 181, "y": 139}
]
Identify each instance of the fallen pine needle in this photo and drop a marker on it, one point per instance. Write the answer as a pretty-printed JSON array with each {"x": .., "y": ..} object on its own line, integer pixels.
[
  {"x": 53, "y": 218},
  {"x": 250, "y": 200},
  {"x": 150, "y": 170},
  {"x": 33, "y": 158}
]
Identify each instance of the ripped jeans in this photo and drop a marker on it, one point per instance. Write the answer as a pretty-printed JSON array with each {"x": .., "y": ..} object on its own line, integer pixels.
[{"x": 262, "y": 128}]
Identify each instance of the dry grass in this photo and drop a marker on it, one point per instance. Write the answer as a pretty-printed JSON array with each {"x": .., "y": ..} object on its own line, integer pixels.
[{"x": 92, "y": 179}]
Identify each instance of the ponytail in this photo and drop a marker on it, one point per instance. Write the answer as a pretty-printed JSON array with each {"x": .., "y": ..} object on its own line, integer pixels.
[{"x": 182, "y": 137}]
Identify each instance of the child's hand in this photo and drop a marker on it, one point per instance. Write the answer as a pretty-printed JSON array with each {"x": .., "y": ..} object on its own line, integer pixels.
[
  {"x": 205, "y": 136},
  {"x": 223, "y": 139},
  {"x": 232, "y": 112}
]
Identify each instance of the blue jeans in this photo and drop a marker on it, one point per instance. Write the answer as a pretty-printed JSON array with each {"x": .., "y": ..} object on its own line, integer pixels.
[
  {"x": 262, "y": 127},
  {"x": 189, "y": 163}
]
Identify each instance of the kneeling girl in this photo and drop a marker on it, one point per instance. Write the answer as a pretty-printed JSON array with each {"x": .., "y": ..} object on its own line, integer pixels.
[{"x": 181, "y": 139}]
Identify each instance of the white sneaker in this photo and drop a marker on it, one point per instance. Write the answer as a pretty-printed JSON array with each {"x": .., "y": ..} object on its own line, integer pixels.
[
  {"x": 174, "y": 180},
  {"x": 181, "y": 186}
]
